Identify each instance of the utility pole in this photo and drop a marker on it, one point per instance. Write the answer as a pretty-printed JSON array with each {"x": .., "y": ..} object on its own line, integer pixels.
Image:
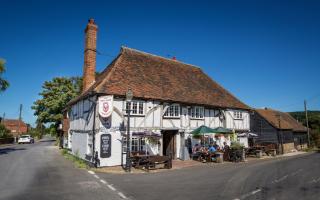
[
  {"x": 280, "y": 134},
  {"x": 20, "y": 118},
  {"x": 3, "y": 116},
  {"x": 307, "y": 121}
]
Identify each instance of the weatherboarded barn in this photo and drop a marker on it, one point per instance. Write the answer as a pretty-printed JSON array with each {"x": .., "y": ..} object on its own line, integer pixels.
[{"x": 279, "y": 128}]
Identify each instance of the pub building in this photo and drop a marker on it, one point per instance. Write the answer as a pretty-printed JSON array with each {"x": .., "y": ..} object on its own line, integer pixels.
[{"x": 168, "y": 100}]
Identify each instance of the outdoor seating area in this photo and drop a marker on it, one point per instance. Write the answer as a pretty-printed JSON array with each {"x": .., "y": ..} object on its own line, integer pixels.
[
  {"x": 259, "y": 150},
  {"x": 215, "y": 145}
]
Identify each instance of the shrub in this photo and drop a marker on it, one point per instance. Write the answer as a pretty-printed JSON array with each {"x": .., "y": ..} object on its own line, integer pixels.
[{"x": 4, "y": 132}]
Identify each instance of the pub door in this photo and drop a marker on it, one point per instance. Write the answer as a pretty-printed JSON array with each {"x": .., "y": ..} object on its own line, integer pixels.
[{"x": 169, "y": 143}]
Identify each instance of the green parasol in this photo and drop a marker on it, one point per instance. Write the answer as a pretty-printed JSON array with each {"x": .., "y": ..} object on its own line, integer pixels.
[
  {"x": 202, "y": 130},
  {"x": 222, "y": 130}
]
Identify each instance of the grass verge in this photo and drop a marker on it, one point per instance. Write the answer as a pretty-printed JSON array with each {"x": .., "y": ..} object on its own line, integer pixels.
[{"x": 78, "y": 162}]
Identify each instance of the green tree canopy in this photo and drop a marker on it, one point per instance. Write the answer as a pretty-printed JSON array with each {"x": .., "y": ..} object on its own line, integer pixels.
[
  {"x": 4, "y": 132},
  {"x": 54, "y": 97},
  {"x": 4, "y": 84}
]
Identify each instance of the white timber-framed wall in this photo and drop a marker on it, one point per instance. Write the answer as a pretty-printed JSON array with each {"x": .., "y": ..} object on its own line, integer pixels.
[{"x": 152, "y": 116}]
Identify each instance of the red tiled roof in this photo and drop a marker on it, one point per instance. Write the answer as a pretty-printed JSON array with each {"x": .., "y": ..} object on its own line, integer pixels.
[
  {"x": 155, "y": 77},
  {"x": 13, "y": 125},
  {"x": 286, "y": 120}
]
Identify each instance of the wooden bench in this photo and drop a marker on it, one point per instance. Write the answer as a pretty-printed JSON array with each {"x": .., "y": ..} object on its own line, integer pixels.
[{"x": 150, "y": 162}]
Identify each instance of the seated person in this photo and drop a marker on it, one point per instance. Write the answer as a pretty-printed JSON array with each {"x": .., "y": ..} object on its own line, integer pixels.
[
  {"x": 212, "y": 149},
  {"x": 196, "y": 148}
]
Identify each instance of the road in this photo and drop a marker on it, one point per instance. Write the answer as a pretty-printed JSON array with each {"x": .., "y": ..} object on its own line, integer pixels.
[
  {"x": 38, "y": 171},
  {"x": 277, "y": 179}
]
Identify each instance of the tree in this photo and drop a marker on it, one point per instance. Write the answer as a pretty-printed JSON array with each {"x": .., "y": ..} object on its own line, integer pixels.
[
  {"x": 54, "y": 98},
  {"x": 4, "y": 84},
  {"x": 314, "y": 124},
  {"x": 4, "y": 132}
]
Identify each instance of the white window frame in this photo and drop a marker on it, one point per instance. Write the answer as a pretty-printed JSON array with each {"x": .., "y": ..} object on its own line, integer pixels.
[
  {"x": 173, "y": 111},
  {"x": 136, "y": 107},
  {"x": 237, "y": 115},
  {"x": 138, "y": 144},
  {"x": 196, "y": 112}
]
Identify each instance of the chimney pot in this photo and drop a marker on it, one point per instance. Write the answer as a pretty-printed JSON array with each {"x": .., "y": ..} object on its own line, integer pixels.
[{"x": 91, "y": 21}]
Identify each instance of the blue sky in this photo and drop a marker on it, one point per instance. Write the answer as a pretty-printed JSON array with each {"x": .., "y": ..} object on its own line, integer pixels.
[{"x": 267, "y": 53}]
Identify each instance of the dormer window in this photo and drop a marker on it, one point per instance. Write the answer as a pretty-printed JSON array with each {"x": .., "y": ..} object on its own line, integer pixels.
[
  {"x": 173, "y": 111},
  {"x": 237, "y": 115}
]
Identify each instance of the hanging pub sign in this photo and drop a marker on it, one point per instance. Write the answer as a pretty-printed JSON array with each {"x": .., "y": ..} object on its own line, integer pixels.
[
  {"x": 105, "y": 148},
  {"x": 105, "y": 106}
]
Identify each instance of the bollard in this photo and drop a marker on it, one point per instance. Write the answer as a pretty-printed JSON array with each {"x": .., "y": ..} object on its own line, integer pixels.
[
  {"x": 219, "y": 157},
  {"x": 259, "y": 153}
]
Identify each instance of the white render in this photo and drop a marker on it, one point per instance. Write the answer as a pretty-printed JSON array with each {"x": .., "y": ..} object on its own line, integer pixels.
[{"x": 81, "y": 118}]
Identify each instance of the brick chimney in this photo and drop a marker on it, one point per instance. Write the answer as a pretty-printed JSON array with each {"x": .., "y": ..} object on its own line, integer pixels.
[{"x": 89, "y": 68}]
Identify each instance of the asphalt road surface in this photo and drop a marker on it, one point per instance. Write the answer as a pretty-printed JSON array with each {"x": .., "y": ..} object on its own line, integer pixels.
[
  {"x": 38, "y": 171},
  {"x": 290, "y": 178}
]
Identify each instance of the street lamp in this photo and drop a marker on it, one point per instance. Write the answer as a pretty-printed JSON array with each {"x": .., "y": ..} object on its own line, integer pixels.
[{"x": 129, "y": 96}]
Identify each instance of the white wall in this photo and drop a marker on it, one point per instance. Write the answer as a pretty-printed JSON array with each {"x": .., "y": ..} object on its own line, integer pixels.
[
  {"x": 81, "y": 124},
  {"x": 237, "y": 124},
  {"x": 154, "y": 119},
  {"x": 79, "y": 144}
]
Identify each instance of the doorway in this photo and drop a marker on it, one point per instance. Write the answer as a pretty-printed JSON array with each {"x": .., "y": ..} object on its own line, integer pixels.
[{"x": 169, "y": 143}]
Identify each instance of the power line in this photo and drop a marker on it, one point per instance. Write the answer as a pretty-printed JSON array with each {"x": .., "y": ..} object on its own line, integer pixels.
[{"x": 105, "y": 54}]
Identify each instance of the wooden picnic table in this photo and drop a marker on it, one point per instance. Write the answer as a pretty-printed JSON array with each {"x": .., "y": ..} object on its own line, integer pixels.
[
  {"x": 259, "y": 150},
  {"x": 150, "y": 161}
]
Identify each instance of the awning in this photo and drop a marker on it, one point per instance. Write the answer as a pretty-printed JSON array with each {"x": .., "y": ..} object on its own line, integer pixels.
[{"x": 146, "y": 134}]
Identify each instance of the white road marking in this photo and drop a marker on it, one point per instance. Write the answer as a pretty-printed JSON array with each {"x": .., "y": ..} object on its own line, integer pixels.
[
  {"x": 97, "y": 177},
  {"x": 111, "y": 187},
  {"x": 91, "y": 172},
  {"x": 248, "y": 194},
  {"x": 280, "y": 179},
  {"x": 315, "y": 180},
  {"x": 122, "y": 195},
  {"x": 103, "y": 181},
  {"x": 296, "y": 172}
]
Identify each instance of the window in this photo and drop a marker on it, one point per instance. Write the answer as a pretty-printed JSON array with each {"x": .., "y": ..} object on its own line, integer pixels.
[
  {"x": 136, "y": 107},
  {"x": 138, "y": 144},
  {"x": 134, "y": 144},
  {"x": 237, "y": 115},
  {"x": 173, "y": 111},
  {"x": 196, "y": 112}
]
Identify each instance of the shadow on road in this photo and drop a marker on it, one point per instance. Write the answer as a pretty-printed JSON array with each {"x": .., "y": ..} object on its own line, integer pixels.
[
  {"x": 9, "y": 150},
  {"x": 52, "y": 140}
]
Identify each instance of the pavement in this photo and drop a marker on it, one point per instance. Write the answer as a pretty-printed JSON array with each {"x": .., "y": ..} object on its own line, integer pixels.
[{"x": 38, "y": 171}]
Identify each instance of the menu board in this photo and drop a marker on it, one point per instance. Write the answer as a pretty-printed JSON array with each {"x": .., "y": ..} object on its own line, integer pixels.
[{"x": 105, "y": 148}]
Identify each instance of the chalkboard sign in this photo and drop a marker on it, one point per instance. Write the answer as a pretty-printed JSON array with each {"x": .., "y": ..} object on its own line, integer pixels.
[{"x": 105, "y": 148}]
